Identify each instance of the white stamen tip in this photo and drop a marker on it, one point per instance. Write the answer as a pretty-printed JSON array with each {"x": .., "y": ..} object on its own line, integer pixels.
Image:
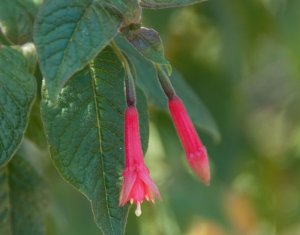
[
  {"x": 138, "y": 210},
  {"x": 131, "y": 201},
  {"x": 147, "y": 198}
]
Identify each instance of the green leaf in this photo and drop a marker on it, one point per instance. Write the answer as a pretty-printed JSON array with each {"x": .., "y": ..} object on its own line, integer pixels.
[
  {"x": 68, "y": 34},
  {"x": 158, "y": 4},
  {"x": 84, "y": 128},
  {"x": 17, "y": 93},
  {"x": 148, "y": 43},
  {"x": 16, "y": 19},
  {"x": 22, "y": 194},
  {"x": 147, "y": 80}
]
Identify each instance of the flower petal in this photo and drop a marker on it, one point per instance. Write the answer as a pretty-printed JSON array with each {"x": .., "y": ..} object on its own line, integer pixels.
[{"x": 129, "y": 179}]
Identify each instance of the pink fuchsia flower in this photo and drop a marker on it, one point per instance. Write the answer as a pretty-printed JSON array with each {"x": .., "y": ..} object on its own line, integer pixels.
[
  {"x": 137, "y": 184},
  {"x": 195, "y": 151}
]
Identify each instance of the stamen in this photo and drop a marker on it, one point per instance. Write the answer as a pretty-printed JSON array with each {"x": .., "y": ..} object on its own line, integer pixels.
[
  {"x": 131, "y": 201},
  {"x": 138, "y": 210},
  {"x": 147, "y": 198}
]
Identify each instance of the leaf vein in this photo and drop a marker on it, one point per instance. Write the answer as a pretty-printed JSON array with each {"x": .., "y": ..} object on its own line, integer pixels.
[{"x": 92, "y": 72}]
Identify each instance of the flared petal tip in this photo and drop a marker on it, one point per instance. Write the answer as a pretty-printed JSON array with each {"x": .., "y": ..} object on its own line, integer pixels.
[{"x": 122, "y": 202}]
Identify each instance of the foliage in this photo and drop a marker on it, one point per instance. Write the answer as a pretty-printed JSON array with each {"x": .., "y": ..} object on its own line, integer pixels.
[
  {"x": 241, "y": 58},
  {"x": 64, "y": 57}
]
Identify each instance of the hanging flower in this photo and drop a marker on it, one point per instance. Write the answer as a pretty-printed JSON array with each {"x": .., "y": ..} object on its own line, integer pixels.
[
  {"x": 137, "y": 184},
  {"x": 195, "y": 151}
]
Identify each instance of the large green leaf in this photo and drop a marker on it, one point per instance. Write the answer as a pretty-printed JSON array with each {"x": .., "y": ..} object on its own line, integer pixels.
[
  {"x": 22, "y": 199},
  {"x": 16, "y": 19},
  {"x": 70, "y": 33},
  {"x": 157, "y": 4},
  {"x": 147, "y": 80},
  {"x": 84, "y": 128},
  {"x": 17, "y": 93}
]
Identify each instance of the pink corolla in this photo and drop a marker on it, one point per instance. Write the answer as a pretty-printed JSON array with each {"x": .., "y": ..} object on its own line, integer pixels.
[
  {"x": 137, "y": 184},
  {"x": 195, "y": 151}
]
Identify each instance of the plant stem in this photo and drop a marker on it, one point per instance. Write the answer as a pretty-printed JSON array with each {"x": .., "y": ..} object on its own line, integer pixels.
[
  {"x": 3, "y": 39},
  {"x": 129, "y": 81},
  {"x": 165, "y": 82}
]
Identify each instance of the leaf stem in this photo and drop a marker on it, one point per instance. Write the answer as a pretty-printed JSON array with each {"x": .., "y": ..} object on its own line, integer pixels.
[
  {"x": 165, "y": 82},
  {"x": 4, "y": 40},
  {"x": 129, "y": 81}
]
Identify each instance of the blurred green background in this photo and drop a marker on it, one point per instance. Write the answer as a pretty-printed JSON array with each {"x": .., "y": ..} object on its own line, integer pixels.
[{"x": 243, "y": 60}]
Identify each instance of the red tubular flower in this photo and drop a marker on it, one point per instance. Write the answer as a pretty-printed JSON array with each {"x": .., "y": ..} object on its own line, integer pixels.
[
  {"x": 195, "y": 151},
  {"x": 137, "y": 184}
]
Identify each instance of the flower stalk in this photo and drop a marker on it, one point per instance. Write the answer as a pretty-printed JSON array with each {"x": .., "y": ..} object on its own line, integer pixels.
[
  {"x": 129, "y": 81},
  {"x": 165, "y": 82}
]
